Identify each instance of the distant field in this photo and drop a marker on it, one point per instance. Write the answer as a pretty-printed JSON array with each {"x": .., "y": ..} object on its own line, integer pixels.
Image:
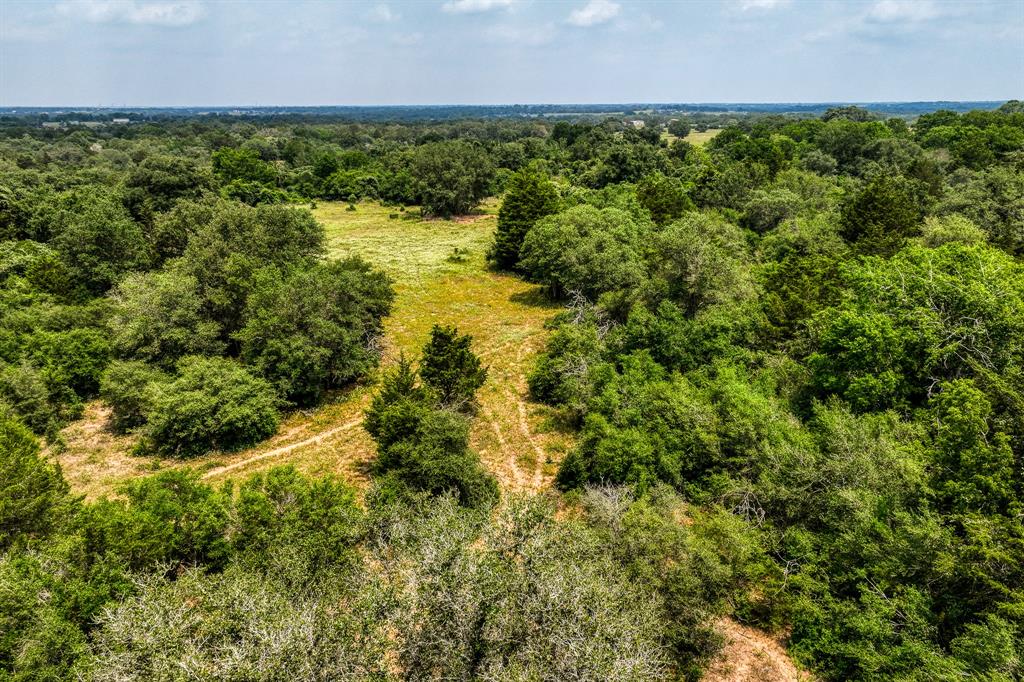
[
  {"x": 695, "y": 137},
  {"x": 440, "y": 277},
  {"x": 701, "y": 138}
]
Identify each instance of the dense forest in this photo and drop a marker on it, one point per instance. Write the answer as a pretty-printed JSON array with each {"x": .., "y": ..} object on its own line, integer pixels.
[{"x": 790, "y": 360}]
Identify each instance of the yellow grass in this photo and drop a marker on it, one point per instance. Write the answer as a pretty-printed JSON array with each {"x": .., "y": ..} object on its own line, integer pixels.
[
  {"x": 435, "y": 284},
  {"x": 695, "y": 137}
]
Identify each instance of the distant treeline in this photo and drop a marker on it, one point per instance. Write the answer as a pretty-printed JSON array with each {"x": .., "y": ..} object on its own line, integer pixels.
[{"x": 448, "y": 112}]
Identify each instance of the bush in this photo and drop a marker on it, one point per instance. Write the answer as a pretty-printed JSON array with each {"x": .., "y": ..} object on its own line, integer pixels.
[
  {"x": 422, "y": 447},
  {"x": 317, "y": 330},
  {"x": 130, "y": 388},
  {"x": 32, "y": 491},
  {"x": 23, "y": 388},
  {"x": 213, "y": 404}
]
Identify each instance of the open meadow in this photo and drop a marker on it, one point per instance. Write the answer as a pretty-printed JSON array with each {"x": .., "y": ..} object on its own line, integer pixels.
[{"x": 441, "y": 277}]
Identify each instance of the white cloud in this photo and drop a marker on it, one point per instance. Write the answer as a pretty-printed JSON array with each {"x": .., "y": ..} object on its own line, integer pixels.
[
  {"x": 382, "y": 14},
  {"x": 593, "y": 13},
  {"x": 154, "y": 13},
  {"x": 757, "y": 5},
  {"x": 898, "y": 11},
  {"x": 474, "y": 6}
]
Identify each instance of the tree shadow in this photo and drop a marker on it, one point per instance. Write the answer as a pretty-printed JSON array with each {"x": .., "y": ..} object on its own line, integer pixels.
[{"x": 535, "y": 297}]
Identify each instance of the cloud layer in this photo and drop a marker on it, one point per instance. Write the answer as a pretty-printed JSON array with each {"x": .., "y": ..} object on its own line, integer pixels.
[
  {"x": 594, "y": 12},
  {"x": 139, "y": 12},
  {"x": 474, "y": 6},
  {"x": 201, "y": 52}
]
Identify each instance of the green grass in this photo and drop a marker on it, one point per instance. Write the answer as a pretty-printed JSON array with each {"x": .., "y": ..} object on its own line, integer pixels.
[{"x": 407, "y": 247}]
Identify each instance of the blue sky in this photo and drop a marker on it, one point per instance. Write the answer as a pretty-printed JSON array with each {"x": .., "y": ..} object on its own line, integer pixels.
[{"x": 219, "y": 52}]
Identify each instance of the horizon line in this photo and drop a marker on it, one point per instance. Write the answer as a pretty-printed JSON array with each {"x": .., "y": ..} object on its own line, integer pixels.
[{"x": 503, "y": 104}]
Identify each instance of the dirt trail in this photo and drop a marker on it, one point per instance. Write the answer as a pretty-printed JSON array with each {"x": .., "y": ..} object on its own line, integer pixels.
[
  {"x": 284, "y": 449},
  {"x": 751, "y": 655}
]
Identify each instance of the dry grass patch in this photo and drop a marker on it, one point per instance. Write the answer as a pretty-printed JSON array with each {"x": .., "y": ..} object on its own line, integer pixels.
[
  {"x": 750, "y": 655},
  {"x": 695, "y": 137}
]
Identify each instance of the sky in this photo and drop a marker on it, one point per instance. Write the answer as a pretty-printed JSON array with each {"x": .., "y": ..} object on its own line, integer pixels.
[{"x": 229, "y": 52}]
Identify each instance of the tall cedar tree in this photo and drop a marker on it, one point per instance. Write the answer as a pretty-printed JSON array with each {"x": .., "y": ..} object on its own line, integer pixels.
[
  {"x": 530, "y": 197},
  {"x": 879, "y": 218},
  {"x": 451, "y": 369}
]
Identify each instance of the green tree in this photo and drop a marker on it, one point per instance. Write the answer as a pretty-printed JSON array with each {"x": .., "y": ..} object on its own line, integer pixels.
[
  {"x": 530, "y": 196},
  {"x": 423, "y": 447},
  {"x": 130, "y": 388},
  {"x": 159, "y": 317},
  {"x": 155, "y": 184},
  {"x": 242, "y": 164},
  {"x": 34, "y": 497},
  {"x": 881, "y": 216},
  {"x": 678, "y": 128},
  {"x": 975, "y": 467},
  {"x": 226, "y": 253},
  {"x": 214, "y": 404},
  {"x": 585, "y": 250},
  {"x": 664, "y": 197},
  {"x": 700, "y": 260},
  {"x": 450, "y": 177},
  {"x": 319, "y": 329},
  {"x": 99, "y": 242},
  {"x": 451, "y": 369}
]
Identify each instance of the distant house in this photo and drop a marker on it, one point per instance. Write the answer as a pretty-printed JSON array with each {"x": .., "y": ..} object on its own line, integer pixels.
[
  {"x": 637, "y": 124},
  {"x": 120, "y": 121}
]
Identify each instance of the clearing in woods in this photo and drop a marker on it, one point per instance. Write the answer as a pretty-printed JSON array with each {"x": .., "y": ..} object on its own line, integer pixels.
[
  {"x": 440, "y": 277},
  {"x": 696, "y": 137}
]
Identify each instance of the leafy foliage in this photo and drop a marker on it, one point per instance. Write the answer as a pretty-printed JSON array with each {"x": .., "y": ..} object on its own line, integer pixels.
[
  {"x": 212, "y": 404},
  {"x": 318, "y": 329}
]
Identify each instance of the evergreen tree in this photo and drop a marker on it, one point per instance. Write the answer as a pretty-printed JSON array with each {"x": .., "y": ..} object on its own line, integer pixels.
[
  {"x": 530, "y": 197},
  {"x": 880, "y": 217},
  {"x": 450, "y": 367}
]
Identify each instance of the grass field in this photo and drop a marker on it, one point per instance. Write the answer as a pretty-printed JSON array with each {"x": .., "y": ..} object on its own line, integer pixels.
[
  {"x": 440, "y": 277},
  {"x": 695, "y": 137}
]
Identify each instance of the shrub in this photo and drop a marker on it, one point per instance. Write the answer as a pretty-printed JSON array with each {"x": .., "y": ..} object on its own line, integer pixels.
[
  {"x": 423, "y": 447},
  {"x": 213, "y": 404},
  {"x": 32, "y": 491},
  {"x": 318, "y": 329},
  {"x": 23, "y": 388},
  {"x": 130, "y": 388}
]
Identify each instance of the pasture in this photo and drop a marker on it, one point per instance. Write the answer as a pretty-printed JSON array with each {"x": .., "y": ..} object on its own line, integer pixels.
[{"x": 441, "y": 277}]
